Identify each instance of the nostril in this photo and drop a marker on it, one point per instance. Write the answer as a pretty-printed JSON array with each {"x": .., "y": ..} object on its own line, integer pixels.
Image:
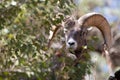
[{"x": 71, "y": 43}]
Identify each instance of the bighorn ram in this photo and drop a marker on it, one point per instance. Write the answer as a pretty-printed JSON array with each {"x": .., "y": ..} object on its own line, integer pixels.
[{"x": 76, "y": 31}]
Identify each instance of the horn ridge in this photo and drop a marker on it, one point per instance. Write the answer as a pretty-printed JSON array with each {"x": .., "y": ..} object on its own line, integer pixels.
[{"x": 97, "y": 20}]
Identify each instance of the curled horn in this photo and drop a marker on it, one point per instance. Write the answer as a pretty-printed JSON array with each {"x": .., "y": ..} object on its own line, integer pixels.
[{"x": 99, "y": 21}]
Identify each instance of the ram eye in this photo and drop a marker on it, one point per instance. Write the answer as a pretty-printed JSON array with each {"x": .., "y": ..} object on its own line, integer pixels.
[{"x": 65, "y": 30}]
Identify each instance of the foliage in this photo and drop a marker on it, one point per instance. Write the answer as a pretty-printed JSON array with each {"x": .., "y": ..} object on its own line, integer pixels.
[{"x": 24, "y": 32}]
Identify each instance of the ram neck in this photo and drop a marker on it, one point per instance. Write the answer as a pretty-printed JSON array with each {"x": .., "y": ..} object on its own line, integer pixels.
[{"x": 79, "y": 52}]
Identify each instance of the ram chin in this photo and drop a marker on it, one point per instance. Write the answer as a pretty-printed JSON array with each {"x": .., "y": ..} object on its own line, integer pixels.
[{"x": 71, "y": 48}]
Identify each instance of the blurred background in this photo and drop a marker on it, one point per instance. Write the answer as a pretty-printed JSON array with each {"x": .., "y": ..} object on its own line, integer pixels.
[{"x": 26, "y": 25}]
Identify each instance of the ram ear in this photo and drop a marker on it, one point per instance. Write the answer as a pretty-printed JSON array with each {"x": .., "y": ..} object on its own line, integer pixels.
[
  {"x": 89, "y": 28},
  {"x": 53, "y": 33}
]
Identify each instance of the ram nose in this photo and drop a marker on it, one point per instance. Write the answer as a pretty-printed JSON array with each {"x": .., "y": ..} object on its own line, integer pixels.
[{"x": 71, "y": 43}]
